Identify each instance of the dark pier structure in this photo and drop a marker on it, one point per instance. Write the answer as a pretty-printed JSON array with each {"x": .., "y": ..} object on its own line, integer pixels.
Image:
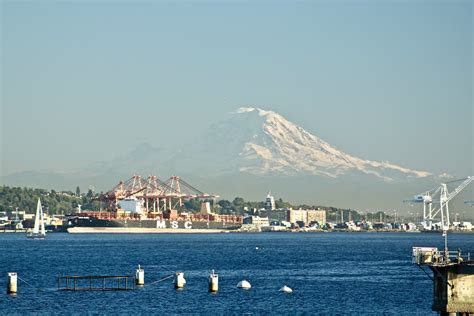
[
  {"x": 453, "y": 279},
  {"x": 96, "y": 283}
]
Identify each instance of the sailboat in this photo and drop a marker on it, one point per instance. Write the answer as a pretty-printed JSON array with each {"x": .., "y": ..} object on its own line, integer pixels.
[{"x": 38, "y": 231}]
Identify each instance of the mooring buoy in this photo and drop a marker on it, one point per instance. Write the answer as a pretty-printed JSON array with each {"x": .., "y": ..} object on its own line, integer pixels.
[
  {"x": 286, "y": 289},
  {"x": 244, "y": 284},
  {"x": 179, "y": 280}
]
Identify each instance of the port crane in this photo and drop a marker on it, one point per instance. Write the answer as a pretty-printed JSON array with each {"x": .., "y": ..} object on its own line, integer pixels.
[
  {"x": 444, "y": 196},
  {"x": 427, "y": 199}
]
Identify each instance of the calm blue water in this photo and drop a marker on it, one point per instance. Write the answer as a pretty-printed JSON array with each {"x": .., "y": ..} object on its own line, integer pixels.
[{"x": 329, "y": 272}]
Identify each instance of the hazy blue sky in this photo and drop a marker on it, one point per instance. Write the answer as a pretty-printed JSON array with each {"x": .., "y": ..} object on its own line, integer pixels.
[{"x": 86, "y": 81}]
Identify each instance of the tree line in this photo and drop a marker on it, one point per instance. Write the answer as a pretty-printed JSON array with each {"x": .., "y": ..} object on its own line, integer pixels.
[{"x": 53, "y": 202}]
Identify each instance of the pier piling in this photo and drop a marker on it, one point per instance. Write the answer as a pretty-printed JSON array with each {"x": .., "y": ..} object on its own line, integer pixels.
[
  {"x": 12, "y": 286},
  {"x": 213, "y": 282},
  {"x": 140, "y": 276}
]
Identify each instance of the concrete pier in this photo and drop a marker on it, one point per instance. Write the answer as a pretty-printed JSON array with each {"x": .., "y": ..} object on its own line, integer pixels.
[
  {"x": 12, "y": 286},
  {"x": 453, "y": 288},
  {"x": 453, "y": 279}
]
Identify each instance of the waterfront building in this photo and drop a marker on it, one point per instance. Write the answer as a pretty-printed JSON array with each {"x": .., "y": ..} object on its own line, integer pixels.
[
  {"x": 269, "y": 202},
  {"x": 256, "y": 220},
  {"x": 318, "y": 215},
  {"x": 275, "y": 215},
  {"x": 289, "y": 215}
]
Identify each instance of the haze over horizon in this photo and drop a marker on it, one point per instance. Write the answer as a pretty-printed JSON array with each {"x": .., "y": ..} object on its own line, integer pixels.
[{"x": 87, "y": 82}]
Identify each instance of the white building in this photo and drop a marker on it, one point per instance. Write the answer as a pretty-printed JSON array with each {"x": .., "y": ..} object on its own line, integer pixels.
[{"x": 269, "y": 202}]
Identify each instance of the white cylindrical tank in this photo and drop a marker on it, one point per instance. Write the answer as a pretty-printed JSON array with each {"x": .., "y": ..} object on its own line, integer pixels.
[
  {"x": 244, "y": 284},
  {"x": 12, "y": 286},
  {"x": 213, "y": 282},
  {"x": 286, "y": 289},
  {"x": 140, "y": 276},
  {"x": 179, "y": 280}
]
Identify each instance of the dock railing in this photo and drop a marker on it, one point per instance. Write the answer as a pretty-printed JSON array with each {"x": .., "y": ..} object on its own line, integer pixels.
[{"x": 432, "y": 256}]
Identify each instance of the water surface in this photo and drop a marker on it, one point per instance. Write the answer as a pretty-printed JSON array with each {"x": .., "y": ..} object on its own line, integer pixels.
[{"x": 329, "y": 272}]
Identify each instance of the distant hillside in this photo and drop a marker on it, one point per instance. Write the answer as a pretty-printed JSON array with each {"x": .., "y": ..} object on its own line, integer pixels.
[{"x": 54, "y": 202}]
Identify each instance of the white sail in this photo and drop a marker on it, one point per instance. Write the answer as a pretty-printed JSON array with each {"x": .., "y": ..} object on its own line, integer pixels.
[
  {"x": 42, "y": 231},
  {"x": 37, "y": 218}
]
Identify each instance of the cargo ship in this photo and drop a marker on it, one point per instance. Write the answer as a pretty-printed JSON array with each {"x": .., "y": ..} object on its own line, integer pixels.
[{"x": 136, "y": 219}]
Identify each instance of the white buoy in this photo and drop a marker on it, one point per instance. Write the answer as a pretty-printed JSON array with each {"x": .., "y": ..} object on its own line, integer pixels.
[
  {"x": 286, "y": 289},
  {"x": 12, "y": 283},
  {"x": 179, "y": 280},
  {"x": 256, "y": 248},
  {"x": 140, "y": 276},
  {"x": 213, "y": 282},
  {"x": 244, "y": 284}
]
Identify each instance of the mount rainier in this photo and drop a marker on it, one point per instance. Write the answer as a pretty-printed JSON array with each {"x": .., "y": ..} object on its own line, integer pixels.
[{"x": 264, "y": 143}]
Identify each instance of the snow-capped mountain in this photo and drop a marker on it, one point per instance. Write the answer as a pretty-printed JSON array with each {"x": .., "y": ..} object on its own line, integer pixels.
[
  {"x": 260, "y": 142},
  {"x": 247, "y": 154}
]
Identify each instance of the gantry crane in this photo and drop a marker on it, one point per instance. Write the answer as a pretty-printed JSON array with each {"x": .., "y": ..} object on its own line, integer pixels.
[
  {"x": 428, "y": 199},
  {"x": 444, "y": 197}
]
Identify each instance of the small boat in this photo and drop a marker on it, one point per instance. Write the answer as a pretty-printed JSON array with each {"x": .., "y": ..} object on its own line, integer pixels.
[{"x": 38, "y": 231}]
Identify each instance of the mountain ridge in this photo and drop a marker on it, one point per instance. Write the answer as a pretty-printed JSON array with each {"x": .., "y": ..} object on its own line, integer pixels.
[{"x": 267, "y": 143}]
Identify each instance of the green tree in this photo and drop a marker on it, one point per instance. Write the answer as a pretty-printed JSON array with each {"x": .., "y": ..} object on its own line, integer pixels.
[
  {"x": 78, "y": 191},
  {"x": 225, "y": 204}
]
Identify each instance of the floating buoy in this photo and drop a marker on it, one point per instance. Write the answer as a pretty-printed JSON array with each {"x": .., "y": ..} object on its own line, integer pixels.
[
  {"x": 12, "y": 283},
  {"x": 213, "y": 282},
  {"x": 140, "y": 276},
  {"x": 286, "y": 289},
  {"x": 179, "y": 280},
  {"x": 244, "y": 284},
  {"x": 256, "y": 248}
]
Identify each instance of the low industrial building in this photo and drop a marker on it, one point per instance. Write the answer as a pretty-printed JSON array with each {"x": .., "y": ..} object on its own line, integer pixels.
[
  {"x": 256, "y": 220},
  {"x": 293, "y": 216}
]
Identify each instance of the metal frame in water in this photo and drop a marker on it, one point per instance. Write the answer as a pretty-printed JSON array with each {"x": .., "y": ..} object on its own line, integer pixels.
[{"x": 96, "y": 283}]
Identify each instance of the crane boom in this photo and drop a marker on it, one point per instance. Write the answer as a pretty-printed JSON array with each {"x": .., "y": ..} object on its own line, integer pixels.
[{"x": 461, "y": 187}]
